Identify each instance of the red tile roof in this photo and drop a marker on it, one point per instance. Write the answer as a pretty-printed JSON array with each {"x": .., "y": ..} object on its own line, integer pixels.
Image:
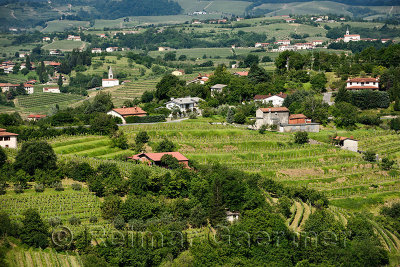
[
  {"x": 258, "y": 97},
  {"x": 363, "y": 80},
  {"x": 297, "y": 116},
  {"x": 158, "y": 156},
  {"x": 130, "y": 111},
  {"x": 34, "y": 116},
  {"x": 242, "y": 73},
  {"x": 275, "y": 109},
  {"x": 4, "y": 133}
]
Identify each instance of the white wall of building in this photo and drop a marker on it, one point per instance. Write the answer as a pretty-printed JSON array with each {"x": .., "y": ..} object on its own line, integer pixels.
[
  {"x": 116, "y": 114},
  {"x": 8, "y": 141}
]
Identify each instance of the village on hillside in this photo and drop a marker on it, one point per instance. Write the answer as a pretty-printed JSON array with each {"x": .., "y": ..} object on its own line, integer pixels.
[{"x": 200, "y": 138}]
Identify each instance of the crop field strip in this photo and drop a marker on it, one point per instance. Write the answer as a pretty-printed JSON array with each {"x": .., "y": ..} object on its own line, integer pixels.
[
  {"x": 44, "y": 99},
  {"x": 37, "y": 257}
]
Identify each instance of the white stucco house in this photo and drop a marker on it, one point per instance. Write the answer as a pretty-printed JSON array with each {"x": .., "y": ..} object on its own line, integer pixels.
[
  {"x": 362, "y": 84},
  {"x": 110, "y": 82},
  {"x": 274, "y": 100},
  {"x": 8, "y": 140},
  {"x": 54, "y": 90},
  {"x": 125, "y": 112},
  {"x": 184, "y": 103}
]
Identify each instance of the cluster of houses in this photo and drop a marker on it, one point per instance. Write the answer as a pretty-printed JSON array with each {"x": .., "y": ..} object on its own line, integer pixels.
[
  {"x": 6, "y": 87},
  {"x": 356, "y": 37}
]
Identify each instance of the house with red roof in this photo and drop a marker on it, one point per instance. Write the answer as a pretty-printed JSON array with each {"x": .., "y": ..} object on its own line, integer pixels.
[
  {"x": 125, "y": 112},
  {"x": 8, "y": 140},
  {"x": 347, "y": 143},
  {"x": 298, "y": 119},
  {"x": 200, "y": 79},
  {"x": 35, "y": 117},
  {"x": 362, "y": 84},
  {"x": 155, "y": 158},
  {"x": 283, "y": 121},
  {"x": 274, "y": 100},
  {"x": 241, "y": 73}
]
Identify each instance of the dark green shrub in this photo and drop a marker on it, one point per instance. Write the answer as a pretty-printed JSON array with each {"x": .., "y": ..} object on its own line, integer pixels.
[
  {"x": 369, "y": 156},
  {"x": 301, "y": 138},
  {"x": 74, "y": 220},
  {"x": 145, "y": 119},
  {"x": 76, "y": 187}
]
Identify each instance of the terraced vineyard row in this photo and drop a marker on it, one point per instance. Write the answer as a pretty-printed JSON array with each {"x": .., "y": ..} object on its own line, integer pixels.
[
  {"x": 31, "y": 258},
  {"x": 135, "y": 88},
  {"x": 90, "y": 146},
  {"x": 44, "y": 99}
]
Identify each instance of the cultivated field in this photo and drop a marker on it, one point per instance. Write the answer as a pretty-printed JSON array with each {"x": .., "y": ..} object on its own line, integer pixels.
[
  {"x": 37, "y": 100},
  {"x": 65, "y": 45},
  {"x": 17, "y": 257}
]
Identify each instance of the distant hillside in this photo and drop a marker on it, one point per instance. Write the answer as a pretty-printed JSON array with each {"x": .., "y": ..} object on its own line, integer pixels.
[
  {"x": 347, "y": 2},
  {"x": 36, "y": 12}
]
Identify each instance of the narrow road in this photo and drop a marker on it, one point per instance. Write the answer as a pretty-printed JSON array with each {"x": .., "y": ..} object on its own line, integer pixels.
[
  {"x": 327, "y": 98},
  {"x": 207, "y": 6}
]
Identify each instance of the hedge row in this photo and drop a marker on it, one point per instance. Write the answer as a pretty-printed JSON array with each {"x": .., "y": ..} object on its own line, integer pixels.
[
  {"x": 145, "y": 119},
  {"x": 368, "y": 99}
]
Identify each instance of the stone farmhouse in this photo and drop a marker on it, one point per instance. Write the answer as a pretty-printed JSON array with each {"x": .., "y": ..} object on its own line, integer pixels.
[
  {"x": 8, "y": 140},
  {"x": 125, "y": 112},
  {"x": 280, "y": 116}
]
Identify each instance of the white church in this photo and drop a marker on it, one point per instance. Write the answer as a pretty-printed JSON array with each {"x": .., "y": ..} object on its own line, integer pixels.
[
  {"x": 351, "y": 37},
  {"x": 110, "y": 82}
]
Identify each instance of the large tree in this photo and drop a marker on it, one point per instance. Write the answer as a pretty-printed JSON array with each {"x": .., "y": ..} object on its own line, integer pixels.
[
  {"x": 36, "y": 155},
  {"x": 167, "y": 83},
  {"x": 34, "y": 231}
]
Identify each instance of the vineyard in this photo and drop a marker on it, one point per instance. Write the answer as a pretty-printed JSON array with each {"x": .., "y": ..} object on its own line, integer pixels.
[
  {"x": 90, "y": 146},
  {"x": 39, "y": 100},
  {"x": 49, "y": 257},
  {"x": 343, "y": 175}
]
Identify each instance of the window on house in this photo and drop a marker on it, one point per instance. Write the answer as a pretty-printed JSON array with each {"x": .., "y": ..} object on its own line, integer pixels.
[
  {"x": 7, "y": 138},
  {"x": 351, "y": 83},
  {"x": 1, "y": 138},
  {"x": 6, "y": 145}
]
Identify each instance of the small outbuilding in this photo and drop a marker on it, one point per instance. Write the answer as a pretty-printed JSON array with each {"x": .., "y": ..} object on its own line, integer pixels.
[
  {"x": 232, "y": 216},
  {"x": 155, "y": 158},
  {"x": 350, "y": 144}
]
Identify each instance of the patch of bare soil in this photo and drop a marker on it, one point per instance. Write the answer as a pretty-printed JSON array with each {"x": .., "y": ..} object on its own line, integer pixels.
[
  {"x": 229, "y": 148},
  {"x": 186, "y": 148}
]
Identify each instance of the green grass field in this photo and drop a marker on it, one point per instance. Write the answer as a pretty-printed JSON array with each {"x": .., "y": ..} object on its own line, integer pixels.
[
  {"x": 65, "y": 45},
  {"x": 64, "y": 25}
]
